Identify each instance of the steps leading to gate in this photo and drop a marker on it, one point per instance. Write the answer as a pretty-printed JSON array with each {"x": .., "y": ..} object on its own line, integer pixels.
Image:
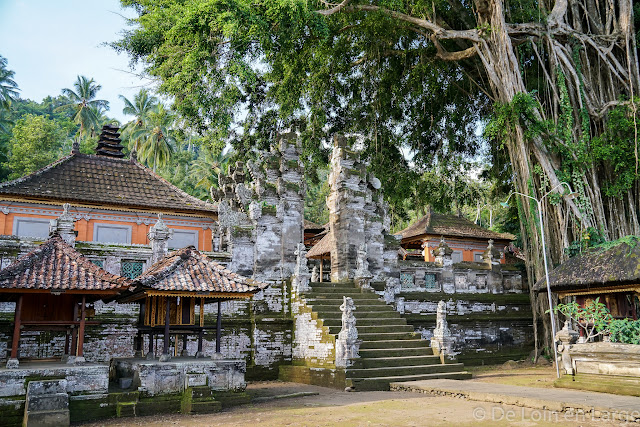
[{"x": 390, "y": 350}]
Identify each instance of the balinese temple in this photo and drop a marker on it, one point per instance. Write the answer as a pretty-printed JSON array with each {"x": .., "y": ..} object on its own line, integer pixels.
[
  {"x": 610, "y": 275},
  {"x": 467, "y": 240},
  {"x": 52, "y": 287},
  {"x": 109, "y": 142},
  {"x": 169, "y": 291}
]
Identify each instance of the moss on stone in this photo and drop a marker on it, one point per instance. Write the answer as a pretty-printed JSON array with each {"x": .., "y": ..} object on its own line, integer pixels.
[{"x": 503, "y": 299}]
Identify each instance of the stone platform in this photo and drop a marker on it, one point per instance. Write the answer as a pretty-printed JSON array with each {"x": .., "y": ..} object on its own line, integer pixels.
[
  {"x": 597, "y": 405},
  {"x": 153, "y": 378},
  {"x": 85, "y": 379}
]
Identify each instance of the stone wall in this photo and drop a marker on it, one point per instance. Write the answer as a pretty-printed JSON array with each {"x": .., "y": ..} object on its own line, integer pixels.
[{"x": 487, "y": 304}]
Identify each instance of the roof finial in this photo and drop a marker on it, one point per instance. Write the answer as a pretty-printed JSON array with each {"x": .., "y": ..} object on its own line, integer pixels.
[
  {"x": 133, "y": 156},
  {"x": 75, "y": 148}
]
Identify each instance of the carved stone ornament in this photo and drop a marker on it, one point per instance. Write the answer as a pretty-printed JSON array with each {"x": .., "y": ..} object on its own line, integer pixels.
[
  {"x": 362, "y": 264},
  {"x": 442, "y": 341},
  {"x": 347, "y": 343}
]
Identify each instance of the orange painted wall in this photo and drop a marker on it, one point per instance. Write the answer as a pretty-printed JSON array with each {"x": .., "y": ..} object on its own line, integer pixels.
[
  {"x": 85, "y": 229},
  {"x": 468, "y": 255}
]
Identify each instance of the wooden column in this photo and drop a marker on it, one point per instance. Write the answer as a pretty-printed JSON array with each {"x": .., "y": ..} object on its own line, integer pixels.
[
  {"x": 218, "y": 327},
  {"x": 81, "y": 328},
  {"x": 321, "y": 262},
  {"x": 167, "y": 322},
  {"x": 200, "y": 337},
  {"x": 184, "y": 345},
  {"x": 150, "y": 353},
  {"x": 74, "y": 332},
  {"x": 16, "y": 329}
]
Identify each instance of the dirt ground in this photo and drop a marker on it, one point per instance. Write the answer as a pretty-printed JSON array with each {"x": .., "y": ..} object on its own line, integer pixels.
[
  {"x": 331, "y": 408},
  {"x": 529, "y": 376}
]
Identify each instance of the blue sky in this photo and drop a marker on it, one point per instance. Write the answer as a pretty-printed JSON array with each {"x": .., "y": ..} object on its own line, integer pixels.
[{"x": 48, "y": 43}]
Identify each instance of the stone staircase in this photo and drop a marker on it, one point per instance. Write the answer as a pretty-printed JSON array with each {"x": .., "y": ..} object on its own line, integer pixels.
[{"x": 390, "y": 351}]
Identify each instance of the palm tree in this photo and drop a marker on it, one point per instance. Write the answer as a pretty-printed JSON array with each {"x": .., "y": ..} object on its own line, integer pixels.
[
  {"x": 208, "y": 166},
  {"x": 86, "y": 109},
  {"x": 143, "y": 103},
  {"x": 156, "y": 136},
  {"x": 8, "y": 86}
]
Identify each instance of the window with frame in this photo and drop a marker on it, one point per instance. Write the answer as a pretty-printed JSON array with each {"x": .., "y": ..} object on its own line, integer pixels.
[
  {"x": 183, "y": 238},
  {"x": 31, "y": 227},
  {"x": 131, "y": 268},
  {"x": 481, "y": 281},
  {"x": 112, "y": 233},
  {"x": 406, "y": 280},
  {"x": 477, "y": 257},
  {"x": 456, "y": 257},
  {"x": 430, "y": 281}
]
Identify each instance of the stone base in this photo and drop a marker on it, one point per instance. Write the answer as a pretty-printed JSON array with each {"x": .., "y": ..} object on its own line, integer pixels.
[
  {"x": 79, "y": 360},
  {"x": 200, "y": 355},
  {"x": 184, "y": 353},
  {"x": 138, "y": 354},
  {"x": 150, "y": 356},
  {"x": 165, "y": 358},
  {"x": 627, "y": 386},
  {"x": 13, "y": 364},
  {"x": 217, "y": 356},
  {"x": 334, "y": 378}
]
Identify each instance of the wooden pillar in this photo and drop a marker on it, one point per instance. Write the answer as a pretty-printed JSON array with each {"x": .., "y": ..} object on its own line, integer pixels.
[
  {"x": 81, "y": 328},
  {"x": 321, "y": 262},
  {"x": 218, "y": 326},
  {"x": 184, "y": 345},
  {"x": 16, "y": 329},
  {"x": 66, "y": 342},
  {"x": 200, "y": 337},
  {"x": 167, "y": 322},
  {"x": 150, "y": 353},
  {"x": 74, "y": 332}
]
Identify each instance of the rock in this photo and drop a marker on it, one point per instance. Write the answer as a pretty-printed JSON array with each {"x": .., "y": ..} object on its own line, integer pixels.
[
  {"x": 543, "y": 361},
  {"x": 349, "y": 389}
]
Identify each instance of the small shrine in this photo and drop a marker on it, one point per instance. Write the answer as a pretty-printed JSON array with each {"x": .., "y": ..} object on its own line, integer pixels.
[
  {"x": 168, "y": 293},
  {"x": 52, "y": 287}
]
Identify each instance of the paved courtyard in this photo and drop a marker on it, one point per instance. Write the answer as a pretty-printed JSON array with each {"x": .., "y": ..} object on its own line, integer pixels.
[{"x": 327, "y": 407}]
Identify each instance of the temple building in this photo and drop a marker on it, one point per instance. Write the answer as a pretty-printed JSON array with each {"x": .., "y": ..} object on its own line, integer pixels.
[
  {"x": 114, "y": 200},
  {"x": 467, "y": 240}
]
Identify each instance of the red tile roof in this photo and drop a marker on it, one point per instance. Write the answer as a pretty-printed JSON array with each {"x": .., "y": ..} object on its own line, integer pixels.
[
  {"x": 189, "y": 270},
  {"x": 450, "y": 225},
  {"x": 105, "y": 181},
  {"x": 56, "y": 265}
]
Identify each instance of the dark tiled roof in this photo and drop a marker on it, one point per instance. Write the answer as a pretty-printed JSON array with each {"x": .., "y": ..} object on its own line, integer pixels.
[
  {"x": 105, "y": 181},
  {"x": 308, "y": 225},
  {"x": 450, "y": 225},
  {"x": 618, "y": 265},
  {"x": 322, "y": 247},
  {"x": 57, "y": 265},
  {"x": 190, "y": 270}
]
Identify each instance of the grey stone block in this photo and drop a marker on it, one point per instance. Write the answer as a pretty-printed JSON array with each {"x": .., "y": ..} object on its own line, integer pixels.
[
  {"x": 48, "y": 402},
  {"x": 125, "y": 382},
  {"x": 46, "y": 387},
  {"x": 47, "y": 419}
]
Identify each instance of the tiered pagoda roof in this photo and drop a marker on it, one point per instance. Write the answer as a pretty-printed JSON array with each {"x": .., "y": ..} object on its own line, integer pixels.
[{"x": 109, "y": 142}]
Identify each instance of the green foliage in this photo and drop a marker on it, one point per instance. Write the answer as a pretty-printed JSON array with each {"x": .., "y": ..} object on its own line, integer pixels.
[
  {"x": 596, "y": 320},
  {"x": 625, "y": 331},
  {"x": 86, "y": 109},
  {"x": 36, "y": 142},
  {"x": 590, "y": 238},
  {"x": 614, "y": 148},
  {"x": 315, "y": 206},
  {"x": 594, "y": 317},
  {"x": 8, "y": 87}
]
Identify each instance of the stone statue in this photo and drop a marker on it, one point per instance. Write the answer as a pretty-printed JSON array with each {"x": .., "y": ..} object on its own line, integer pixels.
[
  {"x": 315, "y": 275},
  {"x": 159, "y": 236},
  {"x": 347, "y": 343},
  {"x": 442, "y": 341},
  {"x": 565, "y": 338},
  {"x": 301, "y": 271},
  {"x": 64, "y": 225}
]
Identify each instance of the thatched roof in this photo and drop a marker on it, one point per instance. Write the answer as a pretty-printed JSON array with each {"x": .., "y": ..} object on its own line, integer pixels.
[
  {"x": 438, "y": 224},
  {"x": 616, "y": 266},
  {"x": 321, "y": 248}
]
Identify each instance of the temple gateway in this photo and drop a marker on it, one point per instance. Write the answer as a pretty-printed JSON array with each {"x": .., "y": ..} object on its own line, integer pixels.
[{"x": 126, "y": 296}]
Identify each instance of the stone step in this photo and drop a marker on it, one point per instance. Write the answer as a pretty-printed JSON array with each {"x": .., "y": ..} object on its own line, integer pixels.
[
  {"x": 356, "y": 296},
  {"x": 398, "y": 371},
  {"x": 395, "y": 352},
  {"x": 391, "y": 322},
  {"x": 335, "y": 307},
  {"x": 360, "y": 315},
  {"x": 386, "y": 336},
  {"x": 382, "y": 362},
  {"x": 399, "y": 344},
  {"x": 380, "y": 328},
  {"x": 382, "y": 383},
  {"x": 331, "y": 285}
]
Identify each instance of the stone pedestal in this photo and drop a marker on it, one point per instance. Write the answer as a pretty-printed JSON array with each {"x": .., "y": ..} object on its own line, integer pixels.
[
  {"x": 13, "y": 364},
  {"x": 47, "y": 404},
  {"x": 442, "y": 341}
]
